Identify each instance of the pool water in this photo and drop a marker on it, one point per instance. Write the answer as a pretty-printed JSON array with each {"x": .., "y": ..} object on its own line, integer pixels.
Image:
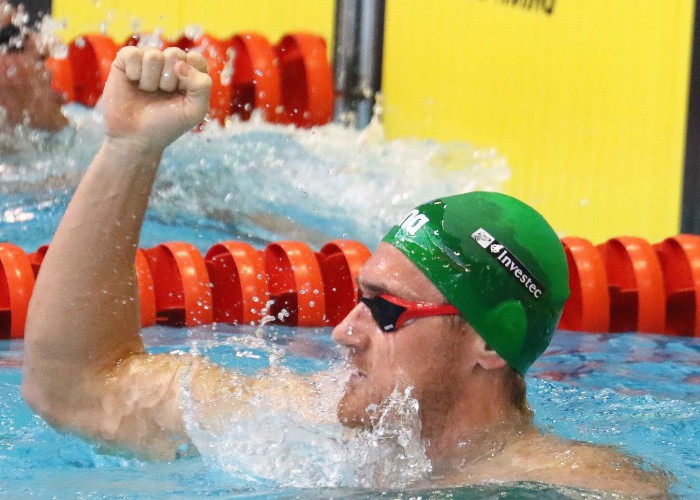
[
  {"x": 641, "y": 393},
  {"x": 260, "y": 183}
]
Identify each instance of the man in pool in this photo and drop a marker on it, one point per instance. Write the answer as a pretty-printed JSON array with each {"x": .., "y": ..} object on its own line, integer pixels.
[
  {"x": 457, "y": 302},
  {"x": 26, "y": 96}
]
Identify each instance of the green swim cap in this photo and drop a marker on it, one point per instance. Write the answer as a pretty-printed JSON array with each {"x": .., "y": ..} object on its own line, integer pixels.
[{"x": 498, "y": 261}]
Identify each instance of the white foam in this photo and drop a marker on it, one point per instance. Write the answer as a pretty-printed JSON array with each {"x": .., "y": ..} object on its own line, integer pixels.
[
  {"x": 265, "y": 442},
  {"x": 278, "y": 182}
]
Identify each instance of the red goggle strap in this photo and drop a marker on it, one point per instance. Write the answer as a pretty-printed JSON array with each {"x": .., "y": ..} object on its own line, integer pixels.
[{"x": 414, "y": 310}]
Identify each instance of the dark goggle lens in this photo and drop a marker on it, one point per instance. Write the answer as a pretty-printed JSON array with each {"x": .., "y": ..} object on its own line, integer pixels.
[{"x": 384, "y": 312}]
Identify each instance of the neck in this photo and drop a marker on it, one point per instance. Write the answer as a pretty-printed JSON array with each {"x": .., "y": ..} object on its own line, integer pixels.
[{"x": 474, "y": 422}]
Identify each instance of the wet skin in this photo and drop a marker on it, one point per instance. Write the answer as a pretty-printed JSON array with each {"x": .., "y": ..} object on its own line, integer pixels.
[
  {"x": 472, "y": 434},
  {"x": 427, "y": 353},
  {"x": 25, "y": 90}
]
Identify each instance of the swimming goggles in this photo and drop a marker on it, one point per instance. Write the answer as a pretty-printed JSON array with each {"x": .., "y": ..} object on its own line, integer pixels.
[{"x": 391, "y": 312}]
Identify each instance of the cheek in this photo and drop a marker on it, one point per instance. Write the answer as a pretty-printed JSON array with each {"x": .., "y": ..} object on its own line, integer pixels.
[{"x": 430, "y": 356}]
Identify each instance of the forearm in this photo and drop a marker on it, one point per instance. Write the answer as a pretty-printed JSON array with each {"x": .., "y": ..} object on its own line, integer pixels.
[
  {"x": 84, "y": 312},
  {"x": 83, "y": 365}
]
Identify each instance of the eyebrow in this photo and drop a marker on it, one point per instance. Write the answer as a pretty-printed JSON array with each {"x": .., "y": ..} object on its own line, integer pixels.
[
  {"x": 375, "y": 288},
  {"x": 379, "y": 288}
]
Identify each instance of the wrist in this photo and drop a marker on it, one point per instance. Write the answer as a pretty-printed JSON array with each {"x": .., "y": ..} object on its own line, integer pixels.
[{"x": 125, "y": 146}]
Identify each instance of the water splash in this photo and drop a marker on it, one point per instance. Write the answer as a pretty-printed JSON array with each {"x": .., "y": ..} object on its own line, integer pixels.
[
  {"x": 275, "y": 432},
  {"x": 392, "y": 455},
  {"x": 272, "y": 182}
]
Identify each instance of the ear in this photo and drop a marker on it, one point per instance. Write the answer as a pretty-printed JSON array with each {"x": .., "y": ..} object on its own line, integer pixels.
[{"x": 486, "y": 357}]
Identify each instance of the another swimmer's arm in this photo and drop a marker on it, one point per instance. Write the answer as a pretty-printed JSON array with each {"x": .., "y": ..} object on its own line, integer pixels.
[{"x": 83, "y": 351}]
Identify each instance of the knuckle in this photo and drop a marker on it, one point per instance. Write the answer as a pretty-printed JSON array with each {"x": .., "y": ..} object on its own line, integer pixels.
[
  {"x": 153, "y": 56},
  {"x": 127, "y": 50},
  {"x": 198, "y": 61},
  {"x": 125, "y": 54},
  {"x": 174, "y": 53}
]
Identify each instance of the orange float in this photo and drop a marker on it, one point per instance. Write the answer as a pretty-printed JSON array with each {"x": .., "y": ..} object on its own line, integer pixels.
[
  {"x": 147, "y": 295},
  {"x": 290, "y": 83},
  {"x": 306, "y": 80},
  {"x": 625, "y": 284},
  {"x": 181, "y": 285},
  {"x": 90, "y": 58},
  {"x": 680, "y": 262},
  {"x": 61, "y": 76},
  {"x": 256, "y": 77},
  {"x": 16, "y": 285},
  {"x": 340, "y": 266},
  {"x": 635, "y": 282},
  {"x": 588, "y": 307},
  {"x": 239, "y": 285},
  {"x": 36, "y": 258},
  {"x": 217, "y": 54},
  {"x": 295, "y": 284}
]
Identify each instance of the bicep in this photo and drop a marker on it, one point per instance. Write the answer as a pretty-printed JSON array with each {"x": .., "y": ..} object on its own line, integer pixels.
[
  {"x": 138, "y": 404},
  {"x": 142, "y": 403}
]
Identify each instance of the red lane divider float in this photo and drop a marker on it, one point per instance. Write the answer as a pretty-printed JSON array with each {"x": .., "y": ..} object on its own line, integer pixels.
[
  {"x": 624, "y": 284},
  {"x": 16, "y": 285},
  {"x": 290, "y": 82},
  {"x": 588, "y": 308},
  {"x": 306, "y": 80},
  {"x": 147, "y": 294},
  {"x": 296, "y": 285},
  {"x": 256, "y": 77},
  {"x": 680, "y": 262},
  {"x": 340, "y": 264},
  {"x": 287, "y": 283},
  {"x": 180, "y": 284},
  {"x": 216, "y": 52},
  {"x": 36, "y": 258},
  {"x": 635, "y": 282},
  {"x": 91, "y": 58},
  {"x": 239, "y": 285},
  {"x": 82, "y": 74}
]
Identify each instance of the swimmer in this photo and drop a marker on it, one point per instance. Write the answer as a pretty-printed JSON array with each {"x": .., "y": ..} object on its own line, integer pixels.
[
  {"x": 26, "y": 96},
  {"x": 458, "y": 300}
]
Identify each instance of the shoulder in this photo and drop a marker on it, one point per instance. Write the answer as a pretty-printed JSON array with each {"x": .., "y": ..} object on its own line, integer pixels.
[{"x": 552, "y": 460}]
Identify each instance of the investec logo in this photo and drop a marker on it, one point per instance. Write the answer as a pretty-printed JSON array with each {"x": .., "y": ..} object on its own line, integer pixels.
[{"x": 509, "y": 261}]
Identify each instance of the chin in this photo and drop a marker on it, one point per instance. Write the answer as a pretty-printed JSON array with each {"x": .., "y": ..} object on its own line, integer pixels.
[{"x": 351, "y": 413}]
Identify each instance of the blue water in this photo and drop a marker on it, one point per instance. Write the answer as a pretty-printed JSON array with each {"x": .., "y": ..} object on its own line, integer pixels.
[
  {"x": 260, "y": 183},
  {"x": 641, "y": 393}
]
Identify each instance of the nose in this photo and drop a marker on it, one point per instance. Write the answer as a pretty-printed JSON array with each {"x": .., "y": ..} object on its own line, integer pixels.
[{"x": 353, "y": 330}]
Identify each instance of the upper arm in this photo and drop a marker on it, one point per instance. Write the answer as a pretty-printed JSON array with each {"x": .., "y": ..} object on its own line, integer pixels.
[
  {"x": 140, "y": 403},
  {"x": 137, "y": 404}
]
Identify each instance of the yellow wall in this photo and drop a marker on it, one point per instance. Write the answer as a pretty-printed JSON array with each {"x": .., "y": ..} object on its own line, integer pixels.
[
  {"x": 588, "y": 103},
  {"x": 221, "y": 18}
]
